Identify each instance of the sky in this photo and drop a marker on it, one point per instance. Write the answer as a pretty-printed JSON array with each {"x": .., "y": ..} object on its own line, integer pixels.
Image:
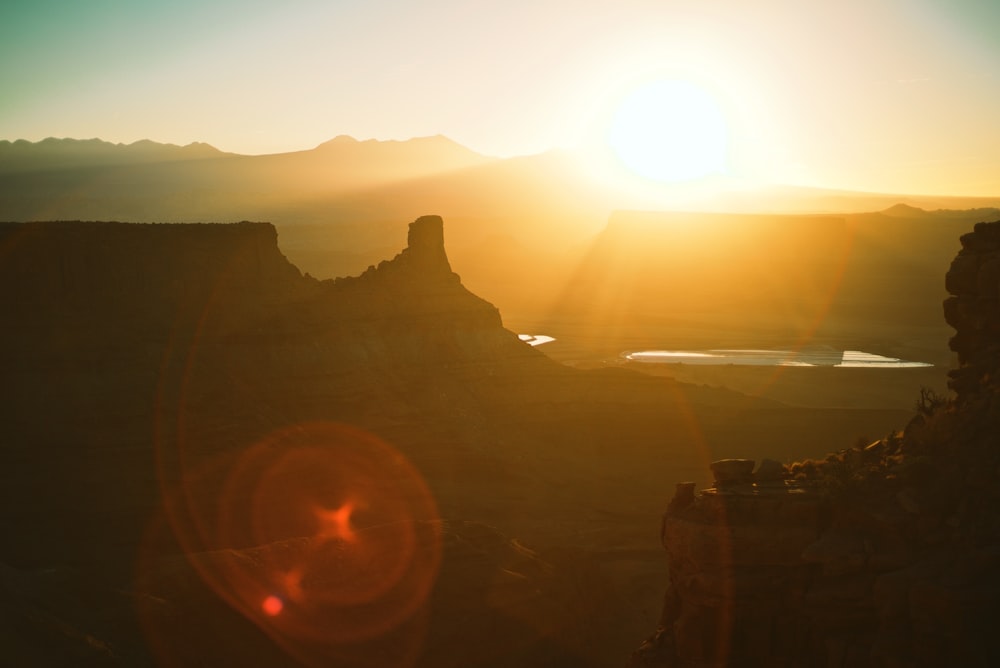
[{"x": 879, "y": 95}]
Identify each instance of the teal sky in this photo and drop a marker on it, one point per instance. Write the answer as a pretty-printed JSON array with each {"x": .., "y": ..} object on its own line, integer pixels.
[{"x": 889, "y": 95}]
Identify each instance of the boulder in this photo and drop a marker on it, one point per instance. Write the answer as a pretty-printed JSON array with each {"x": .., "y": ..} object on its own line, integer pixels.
[{"x": 729, "y": 472}]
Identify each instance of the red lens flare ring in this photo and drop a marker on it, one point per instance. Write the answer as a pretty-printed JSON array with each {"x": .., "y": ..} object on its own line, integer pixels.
[{"x": 327, "y": 534}]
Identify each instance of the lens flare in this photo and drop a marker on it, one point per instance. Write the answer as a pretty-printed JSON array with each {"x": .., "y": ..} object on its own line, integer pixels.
[
  {"x": 272, "y": 606},
  {"x": 336, "y": 524},
  {"x": 321, "y": 534}
]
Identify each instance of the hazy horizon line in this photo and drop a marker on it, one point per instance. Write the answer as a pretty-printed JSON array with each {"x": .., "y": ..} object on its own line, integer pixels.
[{"x": 347, "y": 138}]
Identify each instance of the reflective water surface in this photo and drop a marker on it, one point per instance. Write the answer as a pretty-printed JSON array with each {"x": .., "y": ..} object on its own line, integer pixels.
[{"x": 821, "y": 357}]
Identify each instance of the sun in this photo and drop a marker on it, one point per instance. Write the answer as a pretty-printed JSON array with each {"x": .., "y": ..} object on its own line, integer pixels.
[{"x": 670, "y": 130}]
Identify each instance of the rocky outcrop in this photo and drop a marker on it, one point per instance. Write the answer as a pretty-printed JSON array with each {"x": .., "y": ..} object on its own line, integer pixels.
[
  {"x": 974, "y": 311},
  {"x": 738, "y": 584},
  {"x": 884, "y": 554},
  {"x": 792, "y": 576}
]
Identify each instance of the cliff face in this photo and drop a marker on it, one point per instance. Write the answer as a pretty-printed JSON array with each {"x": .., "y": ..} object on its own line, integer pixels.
[
  {"x": 142, "y": 274},
  {"x": 974, "y": 283},
  {"x": 211, "y": 273},
  {"x": 884, "y": 554}
]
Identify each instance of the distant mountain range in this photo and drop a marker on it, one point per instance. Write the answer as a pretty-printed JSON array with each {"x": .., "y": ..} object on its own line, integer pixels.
[
  {"x": 349, "y": 181},
  {"x": 53, "y": 153},
  {"x": 59, "y": 153},
  {"x": 340, "y": 164}
]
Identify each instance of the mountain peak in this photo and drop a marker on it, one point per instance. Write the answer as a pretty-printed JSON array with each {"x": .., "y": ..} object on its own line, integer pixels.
[
  {"x": 339, "y": 139},
  {"x": 438, "y": 141},
  {"x": 904, "y": 211}
]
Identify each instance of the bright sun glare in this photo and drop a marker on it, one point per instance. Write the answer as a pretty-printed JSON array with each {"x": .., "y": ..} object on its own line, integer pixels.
[{"x": 670, "y": 130}]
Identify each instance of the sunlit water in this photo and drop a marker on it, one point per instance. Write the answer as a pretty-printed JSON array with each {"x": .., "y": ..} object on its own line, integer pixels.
[
  {"x": 750, "y": 357},
  {"x": 535, "y": 339}
]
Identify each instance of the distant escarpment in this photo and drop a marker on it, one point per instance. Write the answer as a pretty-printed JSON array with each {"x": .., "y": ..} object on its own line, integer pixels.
[
  {"x": 883, "y": 554},
  {"x": 229, "y": 280}
]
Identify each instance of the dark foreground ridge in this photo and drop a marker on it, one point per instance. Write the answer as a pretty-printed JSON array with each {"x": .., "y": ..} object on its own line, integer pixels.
[{"x": 885, "y": 554}]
